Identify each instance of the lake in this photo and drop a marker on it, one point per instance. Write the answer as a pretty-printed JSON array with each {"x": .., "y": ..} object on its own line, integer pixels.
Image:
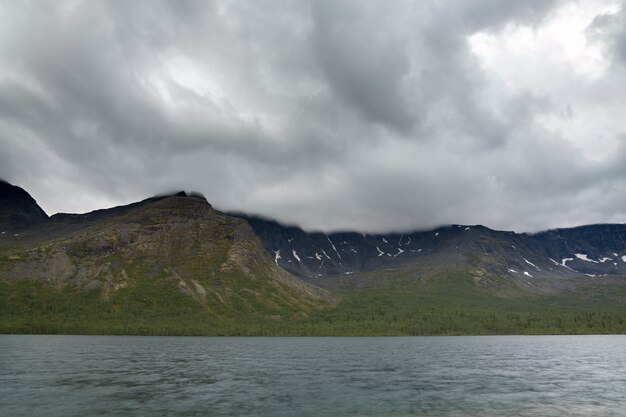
[{"x": 386, "y": 376}]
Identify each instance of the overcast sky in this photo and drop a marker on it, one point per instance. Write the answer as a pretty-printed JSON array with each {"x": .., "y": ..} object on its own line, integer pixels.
[{"x": 371, "y": 115}]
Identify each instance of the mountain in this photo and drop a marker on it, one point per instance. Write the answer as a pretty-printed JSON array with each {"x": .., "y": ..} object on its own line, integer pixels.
[
  {"x": 172, "y": 264},
  {"x": 164, "y": 257},
  {"x": 18, "y": 210},
  {"x": 548, "y": 262},
  {"x": 595, "y": 250}
]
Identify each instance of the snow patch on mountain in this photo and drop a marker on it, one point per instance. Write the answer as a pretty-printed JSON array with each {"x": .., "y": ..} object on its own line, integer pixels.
[
  {"x": 334, "y": 248},
  {"x": 584, "y": 257},
  {"x": 531, "y": 264}
]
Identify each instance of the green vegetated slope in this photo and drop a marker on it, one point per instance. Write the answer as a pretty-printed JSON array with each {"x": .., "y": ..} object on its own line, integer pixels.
[
  {"x": 451, "y": 303},
  {"x": 175, "y": 266},
  {"x": 170, "y": 266}
]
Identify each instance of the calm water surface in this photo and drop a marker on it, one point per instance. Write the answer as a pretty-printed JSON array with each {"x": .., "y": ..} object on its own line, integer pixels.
[{"x": 203, "y": 376}]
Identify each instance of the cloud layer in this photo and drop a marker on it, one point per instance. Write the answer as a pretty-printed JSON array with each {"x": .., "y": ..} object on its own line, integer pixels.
[{"x": 329, "y": 114}]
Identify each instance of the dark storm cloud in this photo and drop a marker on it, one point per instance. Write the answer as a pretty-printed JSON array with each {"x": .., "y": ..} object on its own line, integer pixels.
[
  {"x": 331, "y": 114},
  {"x": 364, "y": 61},
  {"x": 610, "y": 28}
]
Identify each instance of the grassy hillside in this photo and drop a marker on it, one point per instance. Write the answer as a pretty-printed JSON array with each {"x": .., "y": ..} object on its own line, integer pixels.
[
  {"x": 452, "y": 304},
  {"x": 449, "y": 305}
]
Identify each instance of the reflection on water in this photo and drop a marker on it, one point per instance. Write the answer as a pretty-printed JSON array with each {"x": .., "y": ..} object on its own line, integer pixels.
[{"x": 204, "y": 376}]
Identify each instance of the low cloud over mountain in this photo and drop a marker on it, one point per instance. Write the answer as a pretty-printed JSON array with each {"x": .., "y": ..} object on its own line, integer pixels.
[{"x": 333, "y": 115}]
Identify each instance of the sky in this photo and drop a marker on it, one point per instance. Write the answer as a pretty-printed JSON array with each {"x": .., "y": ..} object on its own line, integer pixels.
[{"x": 333, "y": 115}]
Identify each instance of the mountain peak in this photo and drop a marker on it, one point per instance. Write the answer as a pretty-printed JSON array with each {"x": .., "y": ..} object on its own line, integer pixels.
[
  {"x": 17, "y": 208},
  {"x": 182, "y": 193}
]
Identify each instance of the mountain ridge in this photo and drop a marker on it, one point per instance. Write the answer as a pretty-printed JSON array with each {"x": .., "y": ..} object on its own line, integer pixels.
[
  {"x": 173, "y": 248},
  {"x": 586, "y": 250},
  {"x": 172, "y": 264},
  {"x": 548, "y": 261}
]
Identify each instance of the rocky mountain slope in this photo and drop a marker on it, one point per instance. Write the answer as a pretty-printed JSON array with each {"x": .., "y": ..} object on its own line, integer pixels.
[
  {"x": 173, "y": 246},
  {"x": 18, "y": 210},
  {"x": 174, "y": 265},
  {"x": 547, "y": 262}
]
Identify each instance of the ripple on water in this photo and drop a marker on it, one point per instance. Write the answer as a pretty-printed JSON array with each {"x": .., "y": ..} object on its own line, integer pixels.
[{"x": 427, "y": 376}]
